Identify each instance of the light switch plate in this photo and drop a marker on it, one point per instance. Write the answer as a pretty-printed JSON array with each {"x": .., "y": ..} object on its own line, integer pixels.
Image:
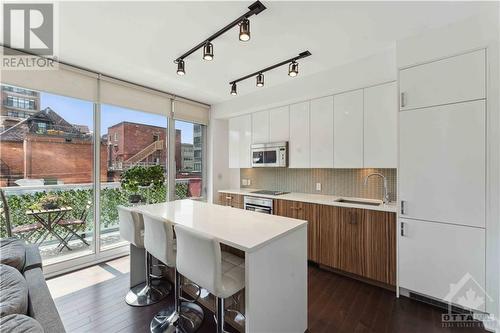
[{"x": 318, "y": 186}]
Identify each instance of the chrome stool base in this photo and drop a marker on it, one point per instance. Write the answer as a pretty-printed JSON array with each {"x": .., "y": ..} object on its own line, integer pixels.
[
  {"x": 143, "y": 295},
  {"x": 189, "y": 320}
]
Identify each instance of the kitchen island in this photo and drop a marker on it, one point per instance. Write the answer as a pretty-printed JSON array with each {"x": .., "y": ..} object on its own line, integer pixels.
[{"x": 275, "y": 251}]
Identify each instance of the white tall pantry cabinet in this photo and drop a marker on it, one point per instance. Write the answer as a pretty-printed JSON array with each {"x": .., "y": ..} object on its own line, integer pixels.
[{"x": 442, "y": 172}]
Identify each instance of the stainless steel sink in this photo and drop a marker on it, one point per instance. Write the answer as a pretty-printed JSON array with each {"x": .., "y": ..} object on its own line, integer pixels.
[{"x": 359, "y": 202}]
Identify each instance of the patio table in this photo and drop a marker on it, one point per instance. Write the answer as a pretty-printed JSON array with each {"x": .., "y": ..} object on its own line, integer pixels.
[{"x": 50, "y": 218}]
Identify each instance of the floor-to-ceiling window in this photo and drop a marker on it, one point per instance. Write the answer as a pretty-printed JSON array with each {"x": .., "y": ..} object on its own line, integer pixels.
[
  {"x": 74, "y": 145},
  {"x": 134, "y": 165},
  {"x": 46, "y": 175}
]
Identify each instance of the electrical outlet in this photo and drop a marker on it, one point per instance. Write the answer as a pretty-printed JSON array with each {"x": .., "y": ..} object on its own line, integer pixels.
[
  {"x": 318, "y": 186},
  {"x": 244, "y": 182},
  {"x": 249, "y": 182}
]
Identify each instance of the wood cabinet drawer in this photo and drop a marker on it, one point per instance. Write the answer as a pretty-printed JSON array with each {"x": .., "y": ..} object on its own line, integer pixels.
[
  {"x": 302, "y": 211},
  {"x": 230, "y": 199}
]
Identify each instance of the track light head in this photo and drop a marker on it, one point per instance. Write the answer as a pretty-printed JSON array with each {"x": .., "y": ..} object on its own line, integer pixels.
[
  {"x": 208, "y": 51},
  {"x": 245, "y": 30},
  {"x": 293, "y": 69},
  {"x": 180, "y": 67},
  {"x": 260, "y": 80},
  {"x": 233, "y": 89}
]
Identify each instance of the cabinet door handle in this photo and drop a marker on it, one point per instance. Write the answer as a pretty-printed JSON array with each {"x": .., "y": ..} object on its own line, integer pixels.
[
  {"x": 403, "y": 234},
  {"x": 403, "y": 207},
  {"x": 402, "y": 99}
]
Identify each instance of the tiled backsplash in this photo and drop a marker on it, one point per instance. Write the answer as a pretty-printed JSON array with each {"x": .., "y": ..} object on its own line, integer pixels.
[{"x": 340, "y": 182}]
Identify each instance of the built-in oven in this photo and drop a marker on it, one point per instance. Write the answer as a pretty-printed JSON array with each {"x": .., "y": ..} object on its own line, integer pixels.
[
  {"x": 261, "y": 205},
  {"x": 270, "y": 154}
]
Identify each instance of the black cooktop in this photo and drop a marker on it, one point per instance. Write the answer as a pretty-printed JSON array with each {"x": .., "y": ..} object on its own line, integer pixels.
[{"x": 267, "y": 192}]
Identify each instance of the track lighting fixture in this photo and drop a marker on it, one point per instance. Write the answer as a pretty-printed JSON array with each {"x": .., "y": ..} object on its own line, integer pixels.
[
  {"x": 208, "y": 48},
  {"x": 245, "y": 30},
  {"x": 233, "y": 89},
  {"x": 293, "y": 70},
  {"x": 208, "y": 51},
  {"x": 180, "y": 67},
  {"x": 260, "y": 80}
]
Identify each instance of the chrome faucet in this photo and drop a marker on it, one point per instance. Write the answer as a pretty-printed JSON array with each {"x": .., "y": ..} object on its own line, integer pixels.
[{"x": 386, "y": 193}]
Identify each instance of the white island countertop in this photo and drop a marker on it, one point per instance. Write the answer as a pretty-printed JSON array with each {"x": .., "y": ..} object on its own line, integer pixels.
[
  {"x": 320, "y": 199},
  {"x": 241, "y": 229}
]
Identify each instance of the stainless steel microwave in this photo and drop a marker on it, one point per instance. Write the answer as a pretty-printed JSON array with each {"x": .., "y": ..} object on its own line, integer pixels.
[{"x": 270, "y": 155}]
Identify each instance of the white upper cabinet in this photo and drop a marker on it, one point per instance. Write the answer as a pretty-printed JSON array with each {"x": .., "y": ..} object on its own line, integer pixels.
[
  {"x": 381, "y": 126},
  {"x": 456, "y": 79},
  {"x": 442, "y": 163},
  {"x": 279, "y": 124},
  {"x": 348, "y": 130},
  {"x": 260, "y": 127},
  {"x": 321, "y": 129},
  {"x": 240, "y": 139},
  {"x": 299, "y": 145}
]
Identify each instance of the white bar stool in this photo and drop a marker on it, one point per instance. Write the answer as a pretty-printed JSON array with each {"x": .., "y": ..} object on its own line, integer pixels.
[
  {"x": 132, "y": 230},
  {"x": 185, "y": 316},
  {"x": 200, "y": 259}
]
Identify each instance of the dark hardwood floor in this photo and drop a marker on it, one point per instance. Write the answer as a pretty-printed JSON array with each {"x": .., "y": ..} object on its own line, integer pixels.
[{"x": 336, "y": 304}]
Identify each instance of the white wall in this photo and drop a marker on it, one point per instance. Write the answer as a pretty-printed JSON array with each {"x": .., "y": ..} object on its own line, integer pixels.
[
  {"x": 219, "y": 175},
  {"x": 358, "y": 74}
]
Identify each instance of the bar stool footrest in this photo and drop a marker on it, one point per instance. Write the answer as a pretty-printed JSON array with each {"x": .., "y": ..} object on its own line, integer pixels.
[{"x": 188, "y": 321}]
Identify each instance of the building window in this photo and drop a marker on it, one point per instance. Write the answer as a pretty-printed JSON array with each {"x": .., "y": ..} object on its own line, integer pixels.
[
  {"x": 20, "y": 103},
  {"x": 116, "y": 136}
]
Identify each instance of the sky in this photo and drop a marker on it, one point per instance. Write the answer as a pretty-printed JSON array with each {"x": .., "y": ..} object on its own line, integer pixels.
[{"x": 79, "y": 112}]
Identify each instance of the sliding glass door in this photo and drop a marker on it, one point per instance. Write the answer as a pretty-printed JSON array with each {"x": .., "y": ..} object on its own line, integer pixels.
[{"x": 133, "y": 165}]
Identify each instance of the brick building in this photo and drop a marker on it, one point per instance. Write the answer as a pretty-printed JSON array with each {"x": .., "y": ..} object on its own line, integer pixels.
[
  {"x": 45, "y": 146},
  {"x": 132, "y": 144},
  {"x": 17, "y": 104}
]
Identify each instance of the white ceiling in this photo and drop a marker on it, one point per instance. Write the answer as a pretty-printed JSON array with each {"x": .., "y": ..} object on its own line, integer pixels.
[{"x": 138, "y": 41}]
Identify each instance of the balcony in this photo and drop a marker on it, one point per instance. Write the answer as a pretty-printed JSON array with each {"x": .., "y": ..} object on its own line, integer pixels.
[{"x": 22, "y": 199}]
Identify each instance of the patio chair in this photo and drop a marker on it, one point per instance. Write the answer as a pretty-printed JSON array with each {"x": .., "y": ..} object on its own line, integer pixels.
[
  {"x": 74, "y": 226},
  {"x": 24, "y": 231}
]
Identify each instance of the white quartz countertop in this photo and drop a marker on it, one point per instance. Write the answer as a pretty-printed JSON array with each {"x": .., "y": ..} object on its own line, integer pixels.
[
  {"x": 320, "y": 199},
  {"x": 242, "y": 229}
]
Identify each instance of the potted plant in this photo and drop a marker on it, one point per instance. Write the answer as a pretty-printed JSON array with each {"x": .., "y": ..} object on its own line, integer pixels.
[{"x": 140, "y": 177}]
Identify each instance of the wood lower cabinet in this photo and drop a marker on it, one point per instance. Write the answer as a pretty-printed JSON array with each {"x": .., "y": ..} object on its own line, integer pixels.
[
  {"x": 352, "y": 241},
  {"x": 380, "y": 235},
  {"x": 358, "y": 241},
  {"x": 229, "y": 199},
  {"x": 328, "y": 236},
  {"x": 302, "y": 211}
]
